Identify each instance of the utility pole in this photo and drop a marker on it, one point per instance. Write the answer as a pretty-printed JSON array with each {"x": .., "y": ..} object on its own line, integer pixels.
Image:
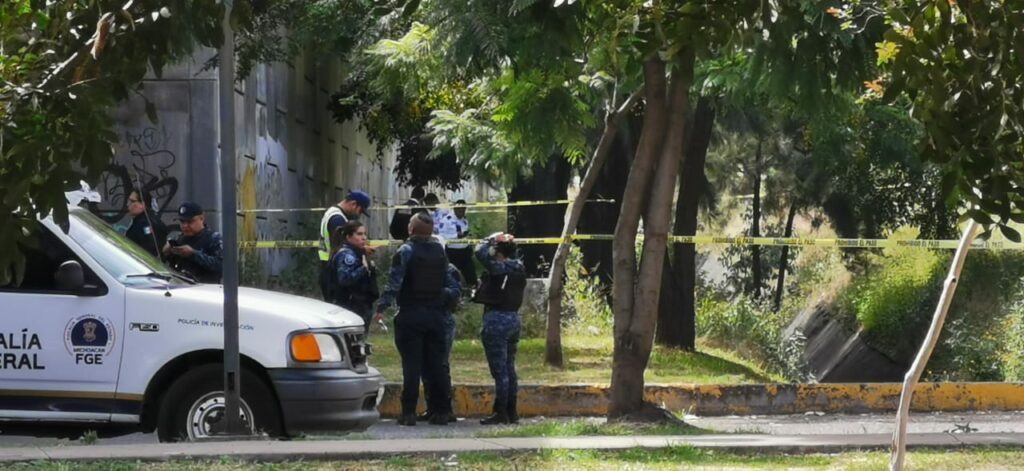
[{"x": 229, "y": 227}]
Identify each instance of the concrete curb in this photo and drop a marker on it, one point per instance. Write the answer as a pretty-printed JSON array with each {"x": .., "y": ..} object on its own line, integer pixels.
[
  {"x": 740, "y": 399},
  {"x": 277, "y": 451}
]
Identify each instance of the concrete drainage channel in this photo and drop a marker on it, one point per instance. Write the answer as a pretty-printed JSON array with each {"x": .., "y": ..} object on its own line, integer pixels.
[{"x": 744, "y": 399}]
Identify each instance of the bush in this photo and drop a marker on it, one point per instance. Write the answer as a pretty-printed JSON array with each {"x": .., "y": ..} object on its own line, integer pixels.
[
  {"x": 584, "y": 299},
  {"x": 755, "y": 332},
  {"x": 895, "y": 298}
]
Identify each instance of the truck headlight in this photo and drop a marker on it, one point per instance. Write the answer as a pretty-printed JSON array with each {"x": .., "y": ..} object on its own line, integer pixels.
[{"x": 315, "y": 347}]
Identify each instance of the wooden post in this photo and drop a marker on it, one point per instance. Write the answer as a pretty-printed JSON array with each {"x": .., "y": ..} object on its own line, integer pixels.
[{"x": 899, "y": 437}]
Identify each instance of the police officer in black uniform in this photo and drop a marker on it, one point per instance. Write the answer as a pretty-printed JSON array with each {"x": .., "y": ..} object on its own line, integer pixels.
[
  {"x": 419, "y": 283},
  {"x": 354, "y": 285},
  {"x": 197, "y": 251},
  {"x": 501, "y": 293}
]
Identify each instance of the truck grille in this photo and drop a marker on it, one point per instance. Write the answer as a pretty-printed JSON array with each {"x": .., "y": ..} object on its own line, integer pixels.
[{"x": 358, "y": 350}]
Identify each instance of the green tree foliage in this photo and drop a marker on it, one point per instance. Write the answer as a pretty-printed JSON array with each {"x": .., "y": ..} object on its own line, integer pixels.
[
  {"x": 63, "y": 65},
  {"x": 962, "y": 64}
]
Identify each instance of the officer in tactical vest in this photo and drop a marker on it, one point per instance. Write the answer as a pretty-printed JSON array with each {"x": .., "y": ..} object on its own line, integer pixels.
[
  {"x": 419, "y": 283},
  {"x": 197, "y": 251},
  {"x": 355, "y": 204},
  {"x": 501, "y": 293}
]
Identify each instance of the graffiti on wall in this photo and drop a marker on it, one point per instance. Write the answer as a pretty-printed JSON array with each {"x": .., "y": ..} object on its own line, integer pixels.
[{"x": 148, "y": 162}]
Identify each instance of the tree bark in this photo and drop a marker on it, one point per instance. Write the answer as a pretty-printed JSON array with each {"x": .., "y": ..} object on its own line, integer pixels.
[
  {"x": 677, "y": 318},
  {"x": 899, "y": 438},
  {"x": 755, "y": 227},
  {"x": 626, "y": 390},
  {"x": 635, "y": 321},
  {"x": 784, "y": 258},
  {"x": 556, "y": 278}
]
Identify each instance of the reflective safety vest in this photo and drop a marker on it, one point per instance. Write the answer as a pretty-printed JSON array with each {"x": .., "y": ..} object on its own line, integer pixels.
[{"x": 324, "y": 250}]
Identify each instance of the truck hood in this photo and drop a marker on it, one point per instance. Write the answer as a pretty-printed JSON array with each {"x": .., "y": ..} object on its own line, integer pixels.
[{"x": 254, "y": 303}]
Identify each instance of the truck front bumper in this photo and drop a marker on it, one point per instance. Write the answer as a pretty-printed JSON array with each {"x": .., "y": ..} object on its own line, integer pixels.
[{"x": 322, "y": 400}]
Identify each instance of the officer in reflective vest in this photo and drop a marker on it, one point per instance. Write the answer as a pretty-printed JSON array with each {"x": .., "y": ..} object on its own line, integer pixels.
[
  {"x": 355, "y": 204},
  {"x": 418, "y": 282},
  {"x": 501, "y": 293}
]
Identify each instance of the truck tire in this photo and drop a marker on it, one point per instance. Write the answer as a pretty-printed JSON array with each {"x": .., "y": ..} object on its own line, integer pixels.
[{"x": 194, "y": 405}]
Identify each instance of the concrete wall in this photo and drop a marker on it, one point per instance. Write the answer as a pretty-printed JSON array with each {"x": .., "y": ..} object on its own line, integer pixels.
[{"x": 291, "y": 153}]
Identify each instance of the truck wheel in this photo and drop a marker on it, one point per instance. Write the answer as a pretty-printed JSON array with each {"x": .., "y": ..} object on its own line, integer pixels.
[{"x": 193, "y": 407}]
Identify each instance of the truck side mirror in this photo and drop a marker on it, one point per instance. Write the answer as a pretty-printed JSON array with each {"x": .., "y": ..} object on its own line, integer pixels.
[{"x": 70, "y": 276}]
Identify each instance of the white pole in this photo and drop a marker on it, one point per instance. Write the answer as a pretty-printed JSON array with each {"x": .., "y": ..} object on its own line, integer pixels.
[{"x": 899, "y": 437}]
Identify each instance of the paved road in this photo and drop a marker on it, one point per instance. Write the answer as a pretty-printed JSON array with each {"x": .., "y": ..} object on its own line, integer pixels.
[{"x": 808, "y": 424}]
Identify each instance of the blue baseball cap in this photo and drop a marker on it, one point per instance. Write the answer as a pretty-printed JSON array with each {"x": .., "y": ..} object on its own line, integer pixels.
[
  {"x": 189, "y": 210},
  {"x": 362, "y": 199}
]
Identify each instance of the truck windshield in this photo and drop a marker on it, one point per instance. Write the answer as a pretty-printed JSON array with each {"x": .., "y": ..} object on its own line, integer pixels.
[{"x": 119, "y": 256}]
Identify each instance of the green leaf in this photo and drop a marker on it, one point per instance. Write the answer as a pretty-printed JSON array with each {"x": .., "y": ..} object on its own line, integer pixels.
[{"x": 1010, "y": 233}]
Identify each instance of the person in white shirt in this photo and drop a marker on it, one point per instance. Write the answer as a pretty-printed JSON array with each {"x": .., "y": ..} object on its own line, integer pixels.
[{"x": 461, "y": 255}]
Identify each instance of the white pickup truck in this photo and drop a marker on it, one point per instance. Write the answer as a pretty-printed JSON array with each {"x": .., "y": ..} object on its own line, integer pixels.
[{"x": 101, "y": 331}]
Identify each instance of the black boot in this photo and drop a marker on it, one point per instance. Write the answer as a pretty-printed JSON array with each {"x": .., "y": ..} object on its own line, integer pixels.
[
  {"x": 407, "y": 420},
  {"x": 424, "y": 417},
  {"x": 513, "y": 414},
  {"x": 495, "y": 419},
  {"x": 439, "y": 418}
]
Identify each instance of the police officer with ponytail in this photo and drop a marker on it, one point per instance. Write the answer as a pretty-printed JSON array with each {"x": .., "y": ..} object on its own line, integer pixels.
[
  {"x": 354, "y": 285},
  {"x": 501, "y": 293},
  {"x": 418, "y": 281}
]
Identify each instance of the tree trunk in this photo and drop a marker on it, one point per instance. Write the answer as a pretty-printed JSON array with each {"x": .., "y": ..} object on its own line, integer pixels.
[
  {"x": 627, "y": 361},
  {"x": 899, "y": 437},
  {"x": 547, "y": 181},
  {"x": 677, "y": 321},
  {"x": 755, "y": 228},
  {"x": 635, "y": 322},
  {"x": 556, "y": 278},
  {"x": 784, "y": 258}
]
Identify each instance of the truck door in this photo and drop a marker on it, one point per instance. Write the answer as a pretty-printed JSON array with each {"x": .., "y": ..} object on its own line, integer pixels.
[{"x": 60, "y": 346}]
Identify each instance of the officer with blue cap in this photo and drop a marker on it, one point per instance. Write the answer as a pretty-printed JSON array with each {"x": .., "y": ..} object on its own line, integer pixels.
[{"x": 355, "y": 204}]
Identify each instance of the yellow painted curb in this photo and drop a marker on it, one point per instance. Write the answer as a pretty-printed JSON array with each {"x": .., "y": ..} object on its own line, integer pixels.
[{"x": 742, "y": 399}]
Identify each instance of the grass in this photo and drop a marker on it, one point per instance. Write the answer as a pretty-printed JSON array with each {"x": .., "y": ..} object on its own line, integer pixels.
[
  {"x": 584, "y": 428},
  {"x": 588, "y": 360},
  {"x": 636, "y": 458}
]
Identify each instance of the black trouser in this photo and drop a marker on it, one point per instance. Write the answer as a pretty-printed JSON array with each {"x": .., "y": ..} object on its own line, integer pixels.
[
  {"x": 463, "y": 260},
  {"x": 420, "y": 338},
  {"x": 446, "y": 370}
]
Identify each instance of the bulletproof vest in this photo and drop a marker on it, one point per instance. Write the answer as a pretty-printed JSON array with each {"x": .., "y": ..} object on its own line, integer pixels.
[
  {"x": 424, "y": 275},
  {"x": 501, "y": 292}
]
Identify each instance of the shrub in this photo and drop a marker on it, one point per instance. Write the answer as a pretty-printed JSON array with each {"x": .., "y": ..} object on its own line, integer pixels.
[
  {"x": 585, "y": 299},
  {"x": 754, "y": 331}
]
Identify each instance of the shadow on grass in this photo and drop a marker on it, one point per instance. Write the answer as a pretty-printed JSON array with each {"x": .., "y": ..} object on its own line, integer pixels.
[{"x": 588, "y": 360}]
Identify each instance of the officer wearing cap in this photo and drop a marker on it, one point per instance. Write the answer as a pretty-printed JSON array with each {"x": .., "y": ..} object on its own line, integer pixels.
[
  {"x": 419, "y": 281},
  {"x": 197, "y": 251},
  {"x": 355, "y": 204},
  {"x": 501, "y": 293}
]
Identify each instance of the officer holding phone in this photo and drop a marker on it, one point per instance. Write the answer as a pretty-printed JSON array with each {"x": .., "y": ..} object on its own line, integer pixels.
[{"x": 197, "y": 251}]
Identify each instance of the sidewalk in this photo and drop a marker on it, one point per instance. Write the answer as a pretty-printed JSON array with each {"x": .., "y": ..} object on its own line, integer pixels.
[{"x": 276, "y": 451}]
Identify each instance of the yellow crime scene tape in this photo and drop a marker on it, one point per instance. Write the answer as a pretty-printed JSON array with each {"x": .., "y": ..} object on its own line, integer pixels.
[
  {"x": 698, "y": 240},
  {"x": 484, "y": 206}
]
